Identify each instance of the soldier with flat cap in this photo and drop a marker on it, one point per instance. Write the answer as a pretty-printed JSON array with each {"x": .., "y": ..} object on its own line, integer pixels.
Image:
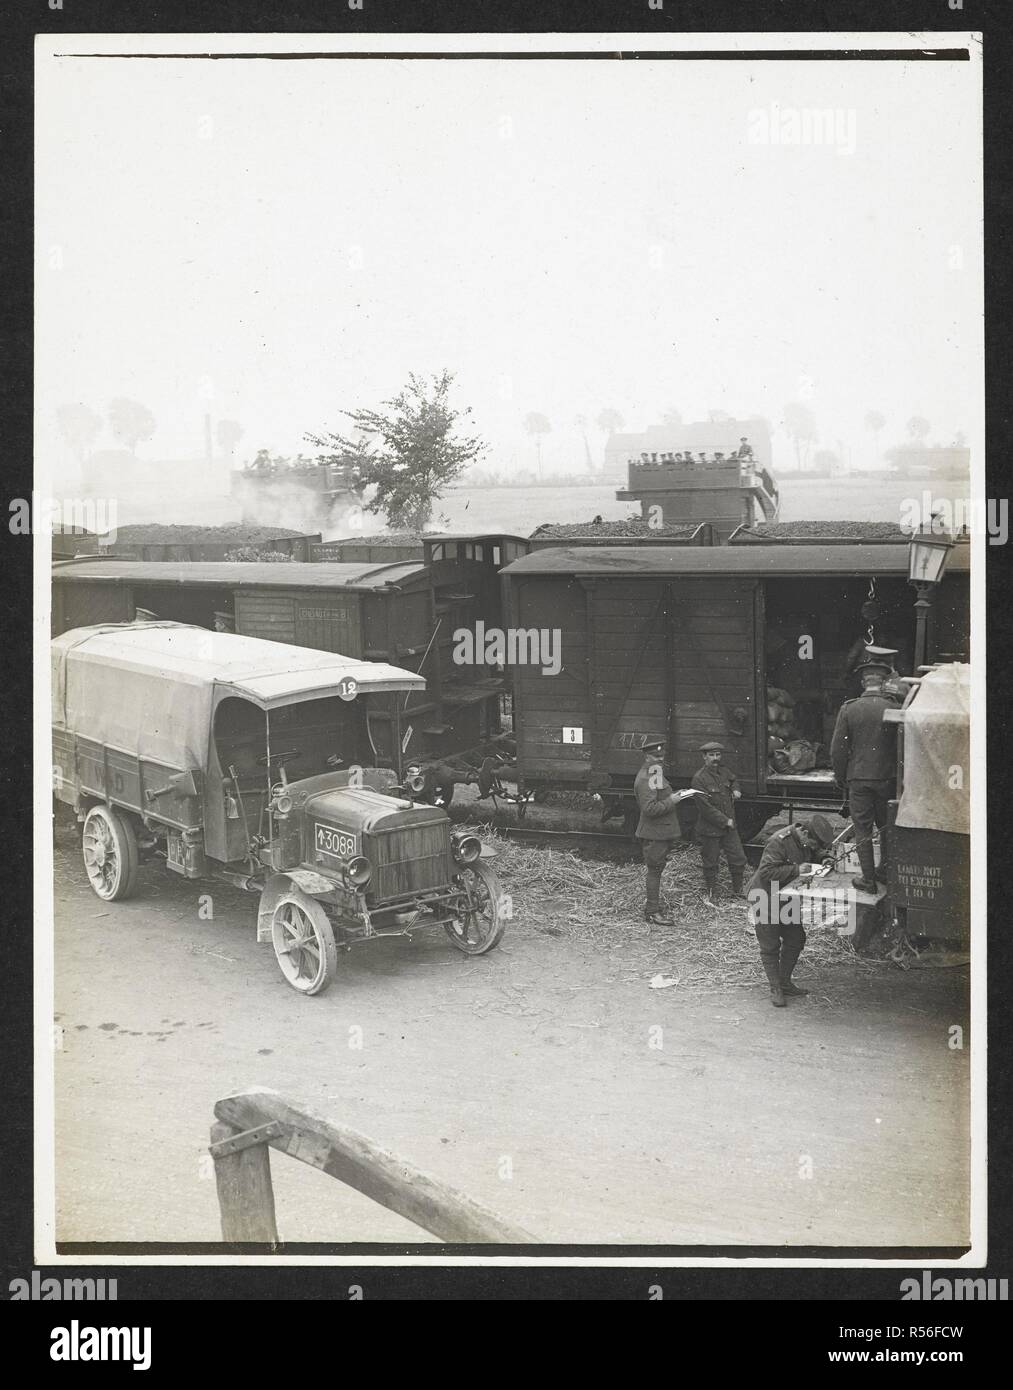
[
  {"x": 789, "y": 854},
  {"x": 658, "y": 830},
  {"x": 715, "y": 826},
  {"x": 863, "y": 752}
]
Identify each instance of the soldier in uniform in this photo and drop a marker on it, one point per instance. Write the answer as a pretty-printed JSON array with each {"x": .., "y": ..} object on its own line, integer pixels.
[
  {"x": 715, "y": 825},
  {"x": 658, "y": 829},
  {"x": 789, "y": 854},
  {"x": 863, "y": 752}
]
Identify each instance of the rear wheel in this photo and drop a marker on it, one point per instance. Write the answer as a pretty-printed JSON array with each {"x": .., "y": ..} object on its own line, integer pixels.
[
  {"x": 481, "y": 925},
  {"x": 109, "y": 849},
  {"x": 303, "y": 942}
]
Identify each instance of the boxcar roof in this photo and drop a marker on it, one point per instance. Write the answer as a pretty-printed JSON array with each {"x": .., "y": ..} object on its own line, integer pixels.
[
  {"x": 768, "y": 561},
  {"x": 358, "y": 576},
  {"x": 472, "y": 536},
  {"x": 269, "y": 673}
]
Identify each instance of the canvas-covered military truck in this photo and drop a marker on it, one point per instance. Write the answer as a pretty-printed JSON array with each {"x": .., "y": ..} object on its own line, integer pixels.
[{"x": 255, "y": 762}]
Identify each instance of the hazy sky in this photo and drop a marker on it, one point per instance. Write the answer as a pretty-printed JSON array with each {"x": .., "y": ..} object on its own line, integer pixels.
[{"x": 295, "y": 237}]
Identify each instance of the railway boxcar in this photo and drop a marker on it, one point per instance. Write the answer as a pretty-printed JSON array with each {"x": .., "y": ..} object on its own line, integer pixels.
[
  {"x": 369, "y": 612},
  {"x": 688, "y": 642}
]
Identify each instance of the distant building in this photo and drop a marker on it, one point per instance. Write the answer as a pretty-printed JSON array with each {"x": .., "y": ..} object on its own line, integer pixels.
[
  {"x": 703, "y": 436},
  {"x": 950, "y": 461}
]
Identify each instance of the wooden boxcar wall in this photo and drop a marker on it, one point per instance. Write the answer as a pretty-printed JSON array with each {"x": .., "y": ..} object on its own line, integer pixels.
[
  {"x": 639, "y": 657},
  {"x": 82, "y": 605},
  {"x": 319, "y": 618}
]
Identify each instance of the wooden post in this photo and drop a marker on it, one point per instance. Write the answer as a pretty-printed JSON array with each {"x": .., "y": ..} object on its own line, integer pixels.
[
  {"x": 360, "y": 1163},
  {"x": 245, "y": 1194}
]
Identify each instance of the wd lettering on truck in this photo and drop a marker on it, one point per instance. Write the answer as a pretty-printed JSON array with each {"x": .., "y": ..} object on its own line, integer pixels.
[{"x": 230, "y": 758}]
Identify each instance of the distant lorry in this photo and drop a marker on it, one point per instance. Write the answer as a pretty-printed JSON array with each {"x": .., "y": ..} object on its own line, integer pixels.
[
  {"x": 254, "y": 762},
  {"x": 268, "y": 489}
]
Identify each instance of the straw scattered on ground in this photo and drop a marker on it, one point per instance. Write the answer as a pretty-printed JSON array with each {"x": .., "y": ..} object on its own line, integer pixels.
[{"x": 601, "y": 904}]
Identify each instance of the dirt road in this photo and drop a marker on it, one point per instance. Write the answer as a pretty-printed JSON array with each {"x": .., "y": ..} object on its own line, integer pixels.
[{"x": 534, "y": 1079}]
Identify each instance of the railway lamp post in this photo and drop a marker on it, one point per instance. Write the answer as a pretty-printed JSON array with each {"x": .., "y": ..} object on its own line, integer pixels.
[{"x": 928, "y": 552}]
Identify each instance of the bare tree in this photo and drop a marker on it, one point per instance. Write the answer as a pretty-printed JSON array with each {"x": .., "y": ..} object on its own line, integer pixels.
[
  {"x": 609, "y": 421},
  {"x": 79, "y": 425},
  {"x": 800, "y": 423},
  {"x": 537, "y": 425},
  {"x": 229, "y": 433},
  {"x": 581, "y": 422},
  {"x": 130, "y": 422}
]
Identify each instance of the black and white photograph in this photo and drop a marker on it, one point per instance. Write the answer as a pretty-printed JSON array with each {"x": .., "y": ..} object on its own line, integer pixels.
[{"x": 509, "y": 531}]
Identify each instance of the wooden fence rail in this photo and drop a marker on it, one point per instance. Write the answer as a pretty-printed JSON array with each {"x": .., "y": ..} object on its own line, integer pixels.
[{"x": 252, "y": 1123}]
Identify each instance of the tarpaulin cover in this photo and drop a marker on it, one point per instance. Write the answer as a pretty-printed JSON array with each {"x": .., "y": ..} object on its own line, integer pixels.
[
  {"x": 149, "y": 688},
  {"x": 157, "y": 714},
  {"x": 937, "y": 751}
]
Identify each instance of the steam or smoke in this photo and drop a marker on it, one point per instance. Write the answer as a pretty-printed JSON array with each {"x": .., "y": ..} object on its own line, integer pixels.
[
  {"x": 187, "y": 492},
  {"x": 285, "y": 503}
]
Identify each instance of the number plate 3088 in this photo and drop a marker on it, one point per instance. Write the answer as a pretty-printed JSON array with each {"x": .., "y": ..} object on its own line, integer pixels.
[{"x": 336, "y": 842}]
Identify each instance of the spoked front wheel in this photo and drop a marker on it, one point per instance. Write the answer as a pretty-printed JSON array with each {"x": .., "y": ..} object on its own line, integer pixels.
[
  {"x": 481, "y": 925},
  {"x": 303, "y": 941},
  {"x": 109, "y": 849}
]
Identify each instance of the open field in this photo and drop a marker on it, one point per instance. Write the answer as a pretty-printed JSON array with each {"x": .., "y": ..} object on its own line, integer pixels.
[{"x": 521, "y": 509}]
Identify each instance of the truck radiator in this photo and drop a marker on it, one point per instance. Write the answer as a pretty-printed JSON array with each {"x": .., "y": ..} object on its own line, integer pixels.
[{"x": 408, "y": 860}]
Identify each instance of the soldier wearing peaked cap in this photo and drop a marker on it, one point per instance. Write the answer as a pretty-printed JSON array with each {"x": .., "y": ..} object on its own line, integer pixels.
[
  {"x": 658, "y": 830},
  {"x": 715, "y": 827},
  {"x": 789, "y": 854},
  {"x": 863, "y": 752}
]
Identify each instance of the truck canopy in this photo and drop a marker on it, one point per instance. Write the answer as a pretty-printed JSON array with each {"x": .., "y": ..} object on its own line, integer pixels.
[
  {"x": 936, "y": 791},
  {"x": 151, "y": 688}
]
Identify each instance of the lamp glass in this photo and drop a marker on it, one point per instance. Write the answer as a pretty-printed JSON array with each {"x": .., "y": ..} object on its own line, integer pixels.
[{"x": 927, "y": 558}]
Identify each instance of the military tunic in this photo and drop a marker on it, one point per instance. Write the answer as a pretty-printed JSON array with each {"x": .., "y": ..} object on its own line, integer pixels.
[
  {"x": 863, "y": 752},
  {"x": 715, "y": 808},
  {"x": 659, "y": 827},
  {"x": 779, "y": 866}
]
